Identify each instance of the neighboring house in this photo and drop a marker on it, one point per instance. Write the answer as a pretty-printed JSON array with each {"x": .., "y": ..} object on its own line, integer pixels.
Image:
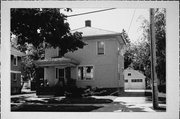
[
  {"x": 16, "y": 68},
  {"x": 133, "y": 79},
  {"x": 99, "y": 64}
]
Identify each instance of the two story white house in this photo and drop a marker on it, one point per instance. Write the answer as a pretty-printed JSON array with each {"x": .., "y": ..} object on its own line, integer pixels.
[{"x": 99, "y": 64}]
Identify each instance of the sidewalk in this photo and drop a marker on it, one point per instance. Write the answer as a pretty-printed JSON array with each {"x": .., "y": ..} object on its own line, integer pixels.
[{"x": 26, "y": 93}]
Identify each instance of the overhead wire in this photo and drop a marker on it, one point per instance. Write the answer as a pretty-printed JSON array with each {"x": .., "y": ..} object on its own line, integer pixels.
[
  {"x": 131, "y": 20},
  {"x": 90, "y": 12}
]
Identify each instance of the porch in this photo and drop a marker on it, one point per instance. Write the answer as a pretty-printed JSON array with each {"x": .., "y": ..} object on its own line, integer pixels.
[{"x": 54, "y": 75}]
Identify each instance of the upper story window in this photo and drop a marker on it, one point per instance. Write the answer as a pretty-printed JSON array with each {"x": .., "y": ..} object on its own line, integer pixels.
[
  {"x": 15, "y": 60},
  {"x": 129, "y": 74},
  {"x": 100, "y": 47},
  {"x": 85, "y": 72},
  {"x": 59, "y": 52}
]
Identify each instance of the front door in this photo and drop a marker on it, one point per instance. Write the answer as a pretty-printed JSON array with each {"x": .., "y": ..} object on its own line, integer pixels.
[{"x": 60, "y": 76}]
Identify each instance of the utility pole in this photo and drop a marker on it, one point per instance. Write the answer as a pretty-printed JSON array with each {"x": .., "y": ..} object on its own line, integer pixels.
[{"x": 153, "y": 60}]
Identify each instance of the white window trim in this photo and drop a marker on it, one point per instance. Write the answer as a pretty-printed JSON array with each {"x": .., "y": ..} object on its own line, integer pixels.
[
  {"x": 97, "y": 48},
  {"x": 15, "y": 72},
  {"x": 85, "y": 66},
  {"x": 15, "y": 57}
]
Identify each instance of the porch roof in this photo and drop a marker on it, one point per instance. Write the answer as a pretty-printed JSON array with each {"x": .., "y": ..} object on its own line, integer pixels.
[
  {"x": 16, "y": 52},
  {"x": 57, "y": 61}
]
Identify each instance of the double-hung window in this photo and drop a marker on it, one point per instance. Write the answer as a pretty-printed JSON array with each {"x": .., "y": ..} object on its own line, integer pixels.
[
  {"x": 100, "y": 47},
  {"x": 85, "y": 72}
]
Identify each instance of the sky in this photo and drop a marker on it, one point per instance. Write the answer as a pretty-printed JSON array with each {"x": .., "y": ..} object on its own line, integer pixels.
[{"x": 113, "y": 20}]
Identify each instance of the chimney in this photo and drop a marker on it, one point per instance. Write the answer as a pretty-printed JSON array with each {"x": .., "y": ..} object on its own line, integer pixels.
[{"x": 88, "y": 23}]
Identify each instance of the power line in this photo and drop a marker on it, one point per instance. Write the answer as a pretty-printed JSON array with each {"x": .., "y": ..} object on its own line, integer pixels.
[
  {"x": 90, "y": 12},
  {"x": 131, "y": 20}
]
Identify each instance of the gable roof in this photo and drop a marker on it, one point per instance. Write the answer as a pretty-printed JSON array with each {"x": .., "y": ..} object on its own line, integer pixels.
[
  {"x": 131, "y": 70},
  {"x": 91, "y": 31}
]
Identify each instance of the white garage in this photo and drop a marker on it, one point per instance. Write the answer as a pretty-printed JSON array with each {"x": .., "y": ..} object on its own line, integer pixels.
[{"x": 133, "y": 79}]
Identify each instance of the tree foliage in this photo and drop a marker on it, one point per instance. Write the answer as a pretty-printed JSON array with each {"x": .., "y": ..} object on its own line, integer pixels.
[
  {"x": 44, "y": 27},
  {"x": 138, "y": 57},
  {"x": 160, "y": 30},
  {"x": 37, "y": 29}
]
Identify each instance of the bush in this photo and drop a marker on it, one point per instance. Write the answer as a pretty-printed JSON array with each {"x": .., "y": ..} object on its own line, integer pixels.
[
  {"x": 71, "y": 90},
  {"x": 74, "y": 92}
]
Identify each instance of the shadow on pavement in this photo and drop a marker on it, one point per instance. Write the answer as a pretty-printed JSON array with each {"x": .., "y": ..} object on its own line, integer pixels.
[
  {"x": 131, "y": 108},
  {"x": 161, "y": 100},
  {"x": 58, "y": 104},
  {"x": 132, "y": 94},
  {"x": 54, "y": 108},
  {"x": 139, "y": 108},
  {"x": 87, "y": 100}
]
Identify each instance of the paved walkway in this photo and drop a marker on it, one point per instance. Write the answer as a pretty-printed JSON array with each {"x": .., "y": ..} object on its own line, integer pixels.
[{"x": 130, "y": 104}]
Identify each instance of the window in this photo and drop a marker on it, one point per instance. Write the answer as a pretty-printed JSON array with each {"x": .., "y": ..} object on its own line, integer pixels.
[
  {"x": 14, "y": 76},
  {"x": 129, "y": 74},
  {"x": 126, "y": 80},
  {"x": 15, "y": 60},
  {"x": 85, "y": 72},
  {"x": 100, "y": 47},
  {"x": 136, "y": 80}
]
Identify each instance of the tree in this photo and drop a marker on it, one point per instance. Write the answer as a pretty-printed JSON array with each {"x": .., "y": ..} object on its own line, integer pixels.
[
  {"x": 160, "y": 30},
  {"x": 138, "y": 54},
  {"x": 44, "y": 27},
  {"x": 128, "y": 57},
  {"x": 128, "y": 54},
  {"x": 37, "y": 29}
]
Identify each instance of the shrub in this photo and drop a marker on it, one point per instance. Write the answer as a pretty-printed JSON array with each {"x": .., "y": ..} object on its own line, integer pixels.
[
  {"x": 71, "y": 90},
  {"x": 74, "y": 92}
]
